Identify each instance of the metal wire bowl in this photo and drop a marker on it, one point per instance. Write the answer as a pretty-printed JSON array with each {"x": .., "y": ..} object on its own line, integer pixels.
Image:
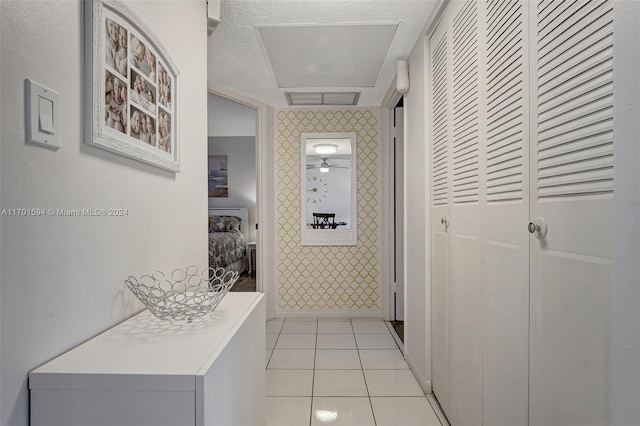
[{"x": 185, "y": 295}]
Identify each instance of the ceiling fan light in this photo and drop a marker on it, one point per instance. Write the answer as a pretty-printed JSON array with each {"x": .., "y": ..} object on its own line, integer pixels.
[
  {"x": 325, "y": 148},
  {"x": 324, "y": 167}
]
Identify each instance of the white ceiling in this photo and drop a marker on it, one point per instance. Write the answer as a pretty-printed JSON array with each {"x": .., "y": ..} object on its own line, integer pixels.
[{"x": 238, "y": 59}]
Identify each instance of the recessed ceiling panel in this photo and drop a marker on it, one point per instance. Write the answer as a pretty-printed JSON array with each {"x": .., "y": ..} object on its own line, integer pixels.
[
  {"x": 327, "y": 56},
  {"x": 305, "y": 98},
  {"x": 321, "y": 98},
  {"x": 340, "y": 98}
]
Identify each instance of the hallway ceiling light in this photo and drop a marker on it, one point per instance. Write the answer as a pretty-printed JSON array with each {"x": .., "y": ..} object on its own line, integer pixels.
[
  {"x": 325, "y": 148},
  {"x": 319, "y": 98}
]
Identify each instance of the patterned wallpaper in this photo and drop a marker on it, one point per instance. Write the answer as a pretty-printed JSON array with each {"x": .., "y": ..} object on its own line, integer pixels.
[{"x": 339, "y": 278}]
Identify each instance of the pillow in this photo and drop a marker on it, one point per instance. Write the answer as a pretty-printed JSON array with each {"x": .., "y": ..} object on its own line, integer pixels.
[
  {"x": 232, "y": 223},
  {"x": 216, "y": 226},
  {"x": 224, "y": 223}
]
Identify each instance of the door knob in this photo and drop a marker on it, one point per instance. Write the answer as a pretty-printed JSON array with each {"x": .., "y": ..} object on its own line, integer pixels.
[
  {"x": 445, "y": 220},
  {"x": 538, "y": 227}
]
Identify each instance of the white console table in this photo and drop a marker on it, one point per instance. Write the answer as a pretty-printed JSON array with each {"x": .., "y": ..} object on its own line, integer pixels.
[{"x": 138, "y": 373}]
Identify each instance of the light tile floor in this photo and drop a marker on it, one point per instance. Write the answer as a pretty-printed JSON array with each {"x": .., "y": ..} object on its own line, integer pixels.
[{"x": 340, "y": 372}]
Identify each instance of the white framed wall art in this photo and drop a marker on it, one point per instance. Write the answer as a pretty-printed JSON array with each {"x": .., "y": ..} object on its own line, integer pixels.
[{"x": 131, "y": 87}]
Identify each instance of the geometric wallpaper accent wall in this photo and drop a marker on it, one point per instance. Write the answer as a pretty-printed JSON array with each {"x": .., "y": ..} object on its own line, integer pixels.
[{"x": 321, "y": 278}]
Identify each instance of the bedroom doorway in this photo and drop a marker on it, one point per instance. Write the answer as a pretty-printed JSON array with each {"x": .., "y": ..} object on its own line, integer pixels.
[
  {"x": 233, "y": 189},
  {"x": 397, "y": 135}
]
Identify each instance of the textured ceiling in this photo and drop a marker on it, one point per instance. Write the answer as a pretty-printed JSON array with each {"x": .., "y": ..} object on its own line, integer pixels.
[{"x": 237, "y": 59}]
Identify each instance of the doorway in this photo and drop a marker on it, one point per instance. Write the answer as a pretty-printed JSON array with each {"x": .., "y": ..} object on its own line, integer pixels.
[
  {"x": 232, "y": 129},
  {"x": 397, "y": 185}
]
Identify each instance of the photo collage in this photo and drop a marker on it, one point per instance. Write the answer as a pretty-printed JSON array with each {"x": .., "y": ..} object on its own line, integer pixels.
[{"x": 138, "y": 89}]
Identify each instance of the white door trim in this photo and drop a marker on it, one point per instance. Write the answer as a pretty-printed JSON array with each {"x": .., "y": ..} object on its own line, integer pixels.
[{"x": 388, "y": 104}]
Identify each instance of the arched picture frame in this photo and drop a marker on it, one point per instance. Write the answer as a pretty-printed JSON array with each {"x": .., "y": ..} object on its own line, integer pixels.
[{"x": 131, "y": 87}]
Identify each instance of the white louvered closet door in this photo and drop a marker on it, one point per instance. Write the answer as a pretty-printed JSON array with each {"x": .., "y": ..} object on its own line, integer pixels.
[
  {"x": 480, "y": 262},
  {"x": 572, "y": 188},
  {"x": 523, "y": 130},
  {"x": 440, "y": 212},
  {"x": 467, "y": 229},
  {"x": 506, "y": 250}
]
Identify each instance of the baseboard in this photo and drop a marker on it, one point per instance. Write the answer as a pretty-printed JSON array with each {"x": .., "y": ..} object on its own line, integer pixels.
[
  {"x": 330, "y": 314},
  {"x": 422, "y": 381}
]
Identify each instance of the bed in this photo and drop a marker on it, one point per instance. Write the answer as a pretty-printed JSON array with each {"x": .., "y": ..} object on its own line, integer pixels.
[{"x": 228, "y": 237}]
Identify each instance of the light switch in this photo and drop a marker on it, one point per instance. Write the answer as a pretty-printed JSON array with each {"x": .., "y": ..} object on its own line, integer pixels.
[
  {"x": 45, "y": 115},
  {"x": 42, "y": 115}
]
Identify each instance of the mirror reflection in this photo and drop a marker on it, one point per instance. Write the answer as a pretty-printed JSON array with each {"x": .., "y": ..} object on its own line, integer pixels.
[{"x": 328, "y": 181}]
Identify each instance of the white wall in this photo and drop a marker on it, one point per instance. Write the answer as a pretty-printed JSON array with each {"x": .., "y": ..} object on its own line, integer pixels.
[
  {"x": 228, "y": 118},
  {"x": 62, "y": 277},
  {"x": 417, "y": 252},
  {"x": 241, "y": 165}
]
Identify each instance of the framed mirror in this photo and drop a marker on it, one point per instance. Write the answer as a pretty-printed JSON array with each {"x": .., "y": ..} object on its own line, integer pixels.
[{"x": 329, "y": 189}]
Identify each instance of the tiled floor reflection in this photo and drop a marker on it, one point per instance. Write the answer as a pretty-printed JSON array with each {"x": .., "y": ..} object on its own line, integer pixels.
[{"x": 340, "y": 372}]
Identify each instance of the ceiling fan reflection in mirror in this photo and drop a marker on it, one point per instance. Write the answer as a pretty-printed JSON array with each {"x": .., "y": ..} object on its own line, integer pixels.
[{"x": 324, "y": 166}]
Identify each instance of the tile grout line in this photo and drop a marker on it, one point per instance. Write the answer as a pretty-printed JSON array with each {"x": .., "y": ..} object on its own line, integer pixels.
[
  {"x": 313, "y": 377},
  {"x": 363, "y": 376},
  {"x": 274, "y": 348}
]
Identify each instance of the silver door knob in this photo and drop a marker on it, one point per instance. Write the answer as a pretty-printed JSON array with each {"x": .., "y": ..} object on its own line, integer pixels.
[
  {"x": 445, "y": 220},
  {"x": 538, "y": 227}
]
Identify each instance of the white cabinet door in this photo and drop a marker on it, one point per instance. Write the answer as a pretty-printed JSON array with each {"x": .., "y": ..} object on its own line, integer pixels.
[{"x": 572, "y": 188}]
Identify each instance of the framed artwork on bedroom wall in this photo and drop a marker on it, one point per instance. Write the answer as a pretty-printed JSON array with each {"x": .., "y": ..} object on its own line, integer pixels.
[
  {"x": 131, "y": 87},
  {"x": 218, "y": 176}
]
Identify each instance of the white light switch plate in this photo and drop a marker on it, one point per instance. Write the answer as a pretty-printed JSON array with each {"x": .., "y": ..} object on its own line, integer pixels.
[{"x": 43, "y": 115}]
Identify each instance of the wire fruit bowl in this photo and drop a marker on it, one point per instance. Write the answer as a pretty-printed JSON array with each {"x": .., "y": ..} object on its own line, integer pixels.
[{"x": 185, "y": 295}]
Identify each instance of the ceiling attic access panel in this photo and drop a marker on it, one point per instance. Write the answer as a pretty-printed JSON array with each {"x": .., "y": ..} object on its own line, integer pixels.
[{"x": 327, "y": 55}]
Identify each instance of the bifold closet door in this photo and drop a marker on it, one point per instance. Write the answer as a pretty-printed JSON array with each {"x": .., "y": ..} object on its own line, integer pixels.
[
  {"x": 573, "y": 191},
  {"x": 480, "y": 254},
  {"x": 440, "y": 216},
  {"x": 467, "y": 229},
  {"x": 506, "y": 247},
  {"x": 523, "y": 145}
]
